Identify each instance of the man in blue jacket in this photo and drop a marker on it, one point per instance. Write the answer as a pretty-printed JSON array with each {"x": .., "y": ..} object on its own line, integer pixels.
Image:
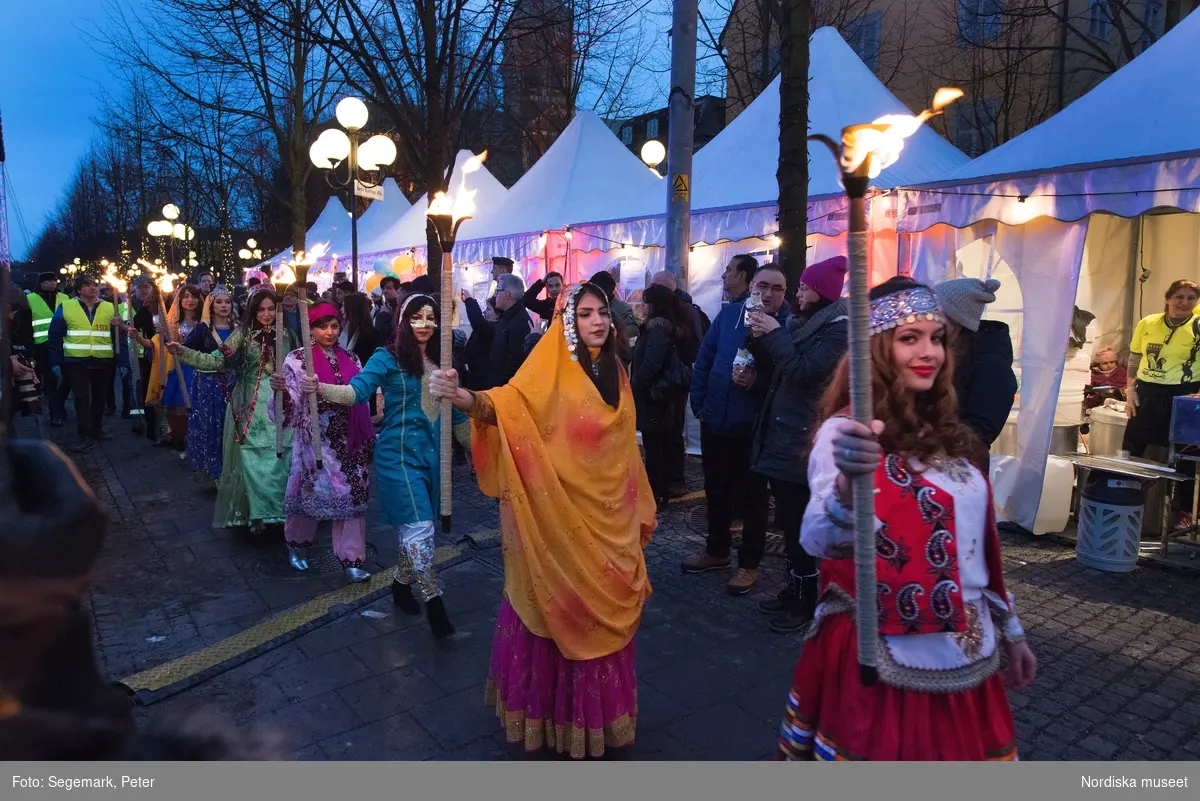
[{"x": 727, "y": 408}]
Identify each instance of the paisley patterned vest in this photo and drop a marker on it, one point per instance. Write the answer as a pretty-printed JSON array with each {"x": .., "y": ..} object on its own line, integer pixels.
[{"x": 916, "y": 555}]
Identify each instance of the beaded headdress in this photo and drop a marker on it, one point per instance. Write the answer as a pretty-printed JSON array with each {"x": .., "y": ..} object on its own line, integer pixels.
[
  {"x": 218, "y": 291},
  {"x": 904, "y": 307},
  {"x": 567, "y": 310},
  {"x": 410, "y": 299}
]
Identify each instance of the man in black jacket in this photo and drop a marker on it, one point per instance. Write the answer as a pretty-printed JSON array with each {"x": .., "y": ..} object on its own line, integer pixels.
[
  {"x": 803, "y": 355},
  {"x": 508, "y": 339},
  {"x": 983, "y": 357},
  {"x": 544, "y": 307}
]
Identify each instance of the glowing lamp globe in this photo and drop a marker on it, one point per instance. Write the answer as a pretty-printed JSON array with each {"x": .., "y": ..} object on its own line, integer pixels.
[
  {"x": 334, "y": 144},
  {"x": 171, "y": 211},
  {"x": 352, "y": 113},
  {"x": 653, "y": 152}
]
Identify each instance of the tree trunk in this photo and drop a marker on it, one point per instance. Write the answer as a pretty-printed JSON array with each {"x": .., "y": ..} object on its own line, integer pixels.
[{"x": 793, "y": 135}]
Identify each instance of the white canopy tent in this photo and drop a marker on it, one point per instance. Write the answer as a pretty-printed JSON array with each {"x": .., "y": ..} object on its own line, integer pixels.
[
  {"x": 381, "y": 215},
  {"x": 586, "y": 174},
  {"x": 735, "y": 191},
  {"x": 331, "y": 228},
  {"x": 1070, "y": 213}
]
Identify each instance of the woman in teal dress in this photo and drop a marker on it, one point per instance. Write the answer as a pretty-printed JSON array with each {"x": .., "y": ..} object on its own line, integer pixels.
[
  {"x": 253, "y": 478},
  {"x": 407, "y": 450}
]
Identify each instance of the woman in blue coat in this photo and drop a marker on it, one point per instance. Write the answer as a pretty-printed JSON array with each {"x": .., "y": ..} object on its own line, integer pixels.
[{"x": 407, "y": 466}]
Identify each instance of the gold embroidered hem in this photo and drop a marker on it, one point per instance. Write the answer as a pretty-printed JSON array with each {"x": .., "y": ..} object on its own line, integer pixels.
[
  {"x": 482, "y": 409},
  {"x": 577, "y": 740}
]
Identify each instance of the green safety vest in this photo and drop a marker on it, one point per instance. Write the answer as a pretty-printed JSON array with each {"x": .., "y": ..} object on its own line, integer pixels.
[
  {"x": 42, "y": 315},
  {"x": 88, "y": 339}
]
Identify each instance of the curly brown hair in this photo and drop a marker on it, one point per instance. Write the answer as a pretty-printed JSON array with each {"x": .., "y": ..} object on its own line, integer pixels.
[{"x": 921, "y": 426}]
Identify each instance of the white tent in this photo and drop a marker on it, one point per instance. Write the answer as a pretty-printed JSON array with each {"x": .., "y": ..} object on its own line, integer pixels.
[
  {"x": 735, "y": 191},
  {"x": 585, "y": 175},
  {"x": 1069, "y": 214},
  {"x": 331, "y": 228},
  {"x": 409, "y": 231},
  {"x": 382, "y": 214}
]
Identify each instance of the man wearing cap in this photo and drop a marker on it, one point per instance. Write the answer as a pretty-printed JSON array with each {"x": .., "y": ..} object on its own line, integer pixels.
[
  {"x": 501, "y": 265},
  {"x": 803, "y": 354},
  {"x": 983, "y": 356},
  {"x": 81, "y": 347},
  {"x": 42, "y": 305}
]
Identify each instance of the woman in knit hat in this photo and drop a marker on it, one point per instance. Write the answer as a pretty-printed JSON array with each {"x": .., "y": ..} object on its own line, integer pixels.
[
  {"x": 944, "y": 612},
  {"x": 983, "y": 355}
]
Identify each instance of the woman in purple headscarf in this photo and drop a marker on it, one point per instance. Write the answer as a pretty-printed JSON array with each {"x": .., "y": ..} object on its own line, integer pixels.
[{"x": 339, "y": 491}]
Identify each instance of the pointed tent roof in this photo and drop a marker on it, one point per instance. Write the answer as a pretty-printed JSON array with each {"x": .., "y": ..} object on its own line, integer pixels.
[
  {"x": 739, "y": 165},
  {"x": 583, "y": 176},
  {"x": 1137, "y": 113},
  {"x": 409, "y": 231},
  {"x": 332, "y": 226},
  {"x": 382, "y": 213}
]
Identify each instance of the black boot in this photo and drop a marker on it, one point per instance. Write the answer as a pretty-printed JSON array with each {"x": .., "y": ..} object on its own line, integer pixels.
[
  {"x": 402, "y": 596},
  {"x": 439, "y": 621},
  {"x": 799, "y": 615},
  {"x": 787, "y": 598}
]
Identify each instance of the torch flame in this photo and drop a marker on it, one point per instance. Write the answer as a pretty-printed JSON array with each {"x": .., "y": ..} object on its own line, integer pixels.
[
  {"x": 284, "y": 276},
  {"x": 474, "y": 164},
  {"x": 119, "y": 285},
  {"x": 883, "y": 139},
  {"x": 166, "y": 283},
  {"x": 462, "y": 203}
]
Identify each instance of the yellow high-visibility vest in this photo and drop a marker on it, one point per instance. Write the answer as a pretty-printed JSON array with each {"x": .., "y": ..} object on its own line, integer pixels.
[
  {"x": 88, "y": 339},
  {"x": 42, "y": 315}
]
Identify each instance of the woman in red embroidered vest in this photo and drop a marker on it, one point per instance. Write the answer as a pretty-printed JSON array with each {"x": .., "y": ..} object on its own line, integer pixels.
[{"x": 944, "y": 614}]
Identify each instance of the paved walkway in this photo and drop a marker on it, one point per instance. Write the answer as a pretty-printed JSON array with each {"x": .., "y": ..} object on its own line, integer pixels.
[{"x": 1120, "y": 654}]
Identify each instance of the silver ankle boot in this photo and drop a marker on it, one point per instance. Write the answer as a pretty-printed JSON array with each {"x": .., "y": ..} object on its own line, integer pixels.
[
  {"x": 356, "y": 574},
  {"x": 298, "y": 558}
]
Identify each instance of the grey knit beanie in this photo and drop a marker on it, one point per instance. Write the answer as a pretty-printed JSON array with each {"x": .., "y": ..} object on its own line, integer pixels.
[{"x": 963, "y": 299}]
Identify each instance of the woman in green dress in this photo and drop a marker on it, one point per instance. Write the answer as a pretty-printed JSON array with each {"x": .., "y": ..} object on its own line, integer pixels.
[{"x": 254, "y": 479}]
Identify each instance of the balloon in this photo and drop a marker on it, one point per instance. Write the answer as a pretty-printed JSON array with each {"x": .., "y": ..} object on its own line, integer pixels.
[
  {"x": 402, "y": 264},
  {"x": 373, "y": 281}
]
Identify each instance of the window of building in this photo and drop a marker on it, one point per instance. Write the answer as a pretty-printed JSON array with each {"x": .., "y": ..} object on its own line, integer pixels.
[
  {"x": 627, "y": 135},
  {"x": 1099, "y": 21},
  {"x": 1152, "y": 23},
  {"x": 975, "y": 126},
  {"x": 979, "y": 20},
  {"x": 863, "y": 36},
  {"x": 652, "y": 128}
]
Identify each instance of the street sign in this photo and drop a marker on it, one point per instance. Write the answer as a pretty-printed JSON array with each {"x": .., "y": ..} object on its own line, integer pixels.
[
  {"x": 679, "y": 186},
  {"x": 369, "y": 192}
]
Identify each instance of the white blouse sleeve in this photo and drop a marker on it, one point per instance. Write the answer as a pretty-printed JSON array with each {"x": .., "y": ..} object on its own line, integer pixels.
[{"x": 828, "y": 529}]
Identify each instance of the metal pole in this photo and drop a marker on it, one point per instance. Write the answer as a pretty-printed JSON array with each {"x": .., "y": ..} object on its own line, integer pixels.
[
  {"x": 681, "y": 122},
  {"x": 445, "y": 455},
  {"x": 354, "y": 210}
]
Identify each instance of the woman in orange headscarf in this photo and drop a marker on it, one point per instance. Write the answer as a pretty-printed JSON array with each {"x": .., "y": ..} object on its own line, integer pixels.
[{"x": 558, "y": 446}]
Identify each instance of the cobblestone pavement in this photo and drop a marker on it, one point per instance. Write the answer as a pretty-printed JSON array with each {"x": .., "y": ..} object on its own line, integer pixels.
[{"x": 1119, "y": 655}]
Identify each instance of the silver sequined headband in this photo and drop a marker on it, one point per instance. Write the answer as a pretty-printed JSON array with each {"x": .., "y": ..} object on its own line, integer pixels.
[
  {"x": 410, "y": 299},
  {"x": 570, "y": 333},
  {"x": 905, "y": 307},
  {"x": 219, "y": 291}
]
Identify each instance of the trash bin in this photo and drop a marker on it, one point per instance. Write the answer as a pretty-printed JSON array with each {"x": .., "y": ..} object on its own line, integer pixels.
[{"x": 1110, "y": 521}]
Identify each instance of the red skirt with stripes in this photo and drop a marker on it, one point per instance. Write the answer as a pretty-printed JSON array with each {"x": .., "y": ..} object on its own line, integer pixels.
[{"x": 831, "y": 716}]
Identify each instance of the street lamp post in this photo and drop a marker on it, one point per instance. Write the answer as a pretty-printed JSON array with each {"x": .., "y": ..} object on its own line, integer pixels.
[
  {"x": 168, "y": 227},
  {"x": 363, "y": 161},
  {"x": 864, "y": 152}
]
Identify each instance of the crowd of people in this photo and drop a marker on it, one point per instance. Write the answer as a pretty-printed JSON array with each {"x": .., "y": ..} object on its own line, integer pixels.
[{"x": 550, "y": 394}]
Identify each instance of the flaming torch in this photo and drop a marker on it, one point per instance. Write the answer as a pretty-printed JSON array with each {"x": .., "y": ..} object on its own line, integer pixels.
[
  {"x": 121, "y": 287},
  {"x": 300, "y": 264},
  {"x": 446, "y": 214},
  {"x": 866, "y": 151},
  {"x": 165, "y": 285},
  {"x": 281, "y": 279}
]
